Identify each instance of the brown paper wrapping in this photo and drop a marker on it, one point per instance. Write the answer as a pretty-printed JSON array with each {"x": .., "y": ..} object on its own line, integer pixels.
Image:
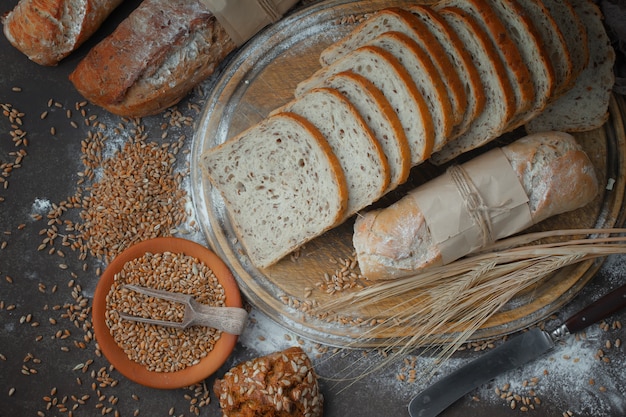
[
  {"x": 242, "y": 19},
  {"x": 446, "y": 213}
]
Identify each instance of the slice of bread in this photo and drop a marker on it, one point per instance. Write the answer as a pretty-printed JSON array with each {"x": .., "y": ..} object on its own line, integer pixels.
[
  {"x": 380, "y": 117},
  {"x": 553, "y": 40},
  {"x": 585, "y": 106},
  {"x": 425, "y": 76},
  {"x": 393, "y": 80},
  {"x": 281, "y": 184},
  {"x": 361, "y": 156},
  {"x": 500, "y": 98},
  {"x": 533, "y": 52},
  {"x": 403, "y": 21},
  {"x": 509, "y": 52},
  {"x": 471, "y": 98},
  {"x": 574, "y": 33}
]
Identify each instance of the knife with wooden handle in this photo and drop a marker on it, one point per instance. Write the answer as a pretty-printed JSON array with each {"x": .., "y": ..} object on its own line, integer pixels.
[{"x": 510, "y": 355}]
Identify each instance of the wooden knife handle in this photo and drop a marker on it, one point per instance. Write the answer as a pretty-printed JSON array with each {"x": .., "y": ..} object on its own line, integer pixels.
[{"x": 598, "y": 310}]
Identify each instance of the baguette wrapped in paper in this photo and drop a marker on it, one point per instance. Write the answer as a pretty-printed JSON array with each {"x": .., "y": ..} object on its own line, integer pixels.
[{"x": 493, "y": 196}]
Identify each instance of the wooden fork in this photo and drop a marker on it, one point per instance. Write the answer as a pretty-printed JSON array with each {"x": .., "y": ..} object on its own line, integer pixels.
[{"x": 228, "y": 319}]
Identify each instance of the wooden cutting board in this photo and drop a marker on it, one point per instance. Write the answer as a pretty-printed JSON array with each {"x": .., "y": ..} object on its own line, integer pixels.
[{"x": 262, "y": 77}]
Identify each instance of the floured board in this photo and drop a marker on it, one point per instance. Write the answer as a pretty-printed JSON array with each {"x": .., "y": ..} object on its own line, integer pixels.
[{"x": 262, "y": 77}]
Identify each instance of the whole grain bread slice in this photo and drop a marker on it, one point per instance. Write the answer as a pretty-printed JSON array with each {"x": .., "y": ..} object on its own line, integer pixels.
[
  {"x": 552, "y": 38},
  {"x": 574, "y": 33},
  {"x": 393, "y": 80},
  {"x": 585, "y": 106},
  {"x": 510, "y": 54},
  {"x": 403, "y": 21},
  {"x": 380, "y": 117},
  {"x": 500, "y": 98},
  {"x": 425, "y": 76},
  {"x": 281, "y": 184},
  {"x": 472, "y": 94},
  {"x": 535, "y": 56},
  {"x": 360, "y": 154}
]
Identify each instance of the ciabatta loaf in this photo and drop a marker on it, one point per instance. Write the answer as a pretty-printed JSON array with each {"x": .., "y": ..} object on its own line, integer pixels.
[
  {"x": 281, "y": 183},
  {"x": 153, "y": 58},
  {"x": 584, "y": 106},
  {"x": 375, "y": 109},
  {"x": 555, "y": 173},
  {"x": 360, "y": 154},
  {"x": 394, "y": 81},
  {"x": 46, "y": 31}
]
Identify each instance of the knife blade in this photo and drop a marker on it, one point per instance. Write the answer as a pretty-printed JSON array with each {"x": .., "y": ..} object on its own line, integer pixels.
[{"x": 512, "y": 354}]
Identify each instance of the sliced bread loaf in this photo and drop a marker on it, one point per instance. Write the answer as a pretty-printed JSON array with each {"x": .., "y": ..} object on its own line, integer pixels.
[
  {"x": 281, "y": 185},
  {"x": 361, "y": 156},
  {"x": 393, "y": 80},
  {"x": 471, "y": 98},
  {"x": 553, "y": 40},
  {"x": 534, "y": 54},
  {"x": 574, "y": 33},
  {"x": 499, "y": 95},
  {"x": 425, "y": 76},
  {"x": 585, "y": 106},
  {"x": 380, "y": 117},
  {"x": 496, "y": 29},
  {"x": 403, "y": 21}
]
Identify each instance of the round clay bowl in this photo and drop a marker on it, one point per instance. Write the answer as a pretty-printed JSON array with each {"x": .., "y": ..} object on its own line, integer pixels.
[{"x": 135, "y": 371}]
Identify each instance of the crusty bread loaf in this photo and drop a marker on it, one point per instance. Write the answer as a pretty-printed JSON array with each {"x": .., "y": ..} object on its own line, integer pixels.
[
  {"x": 403, "y": 21},
  {"x": 382, "y": 120},
  {"x": 555, "y": 173},
  {"x": 46, "y": 31},
  {"x": 360, "y": 154},
  {"x": 584, "y": 106},
  {"x": 499, "y": 105},
  {"x": 281, "y": 183},
  {"x": 281, "y": 384},
  {"x": 394, "y": 81},
  {"x": 153, "y": 58}
]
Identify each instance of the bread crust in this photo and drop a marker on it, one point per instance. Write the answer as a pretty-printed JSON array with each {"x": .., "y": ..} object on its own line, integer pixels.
[
  {"x": 153, "y": 58},
  {"x": 47, "y": 31}
]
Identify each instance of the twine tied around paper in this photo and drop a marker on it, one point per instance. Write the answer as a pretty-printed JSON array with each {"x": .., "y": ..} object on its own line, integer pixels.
[{"x": 474, "y": 203}]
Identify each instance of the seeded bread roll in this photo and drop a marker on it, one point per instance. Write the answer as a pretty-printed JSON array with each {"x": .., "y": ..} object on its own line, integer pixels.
[
  {"x": 555, "y": 173},
  {"x": 46, "y": 31},
  {"x": 153, "y": 58},
  {"x": 281, "y": 384}
]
